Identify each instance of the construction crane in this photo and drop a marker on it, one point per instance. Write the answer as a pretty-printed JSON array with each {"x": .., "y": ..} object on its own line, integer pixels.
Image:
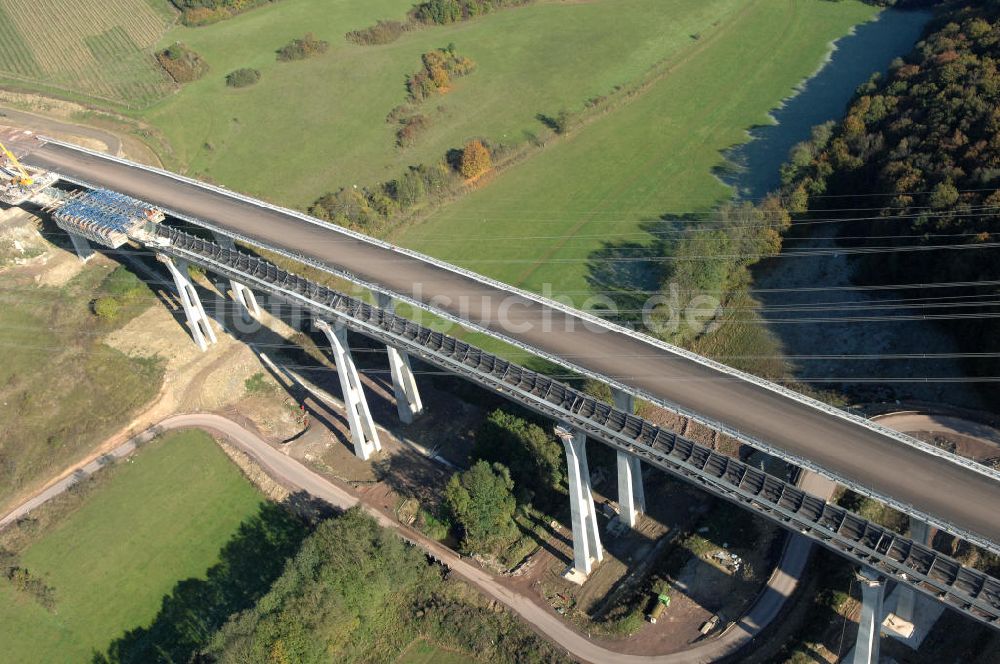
[{"x": 21, "y": 178}]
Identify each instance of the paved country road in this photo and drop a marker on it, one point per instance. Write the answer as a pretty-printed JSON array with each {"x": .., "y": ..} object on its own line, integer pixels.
[
  {"x": 938, "y": 488},
  {"x": 294, "y": 476}
]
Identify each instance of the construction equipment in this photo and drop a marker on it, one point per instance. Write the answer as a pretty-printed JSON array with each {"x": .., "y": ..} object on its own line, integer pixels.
[
  {"x": 20, "y": 177},
  {"x": 662, "y": 602}
]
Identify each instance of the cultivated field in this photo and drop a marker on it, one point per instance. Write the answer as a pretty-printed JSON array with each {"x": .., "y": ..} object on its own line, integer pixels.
[
  {"x": 312, "y": 126},
  {"x": 554, "y": 218},
  {"x": 158, "y": 520},
  {"x": 89, "y": 48}
]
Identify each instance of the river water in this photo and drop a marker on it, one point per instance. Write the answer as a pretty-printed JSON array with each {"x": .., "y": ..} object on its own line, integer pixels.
[
  {"x": 835, "y": 335},
  {"x": 824, "y": 97}
]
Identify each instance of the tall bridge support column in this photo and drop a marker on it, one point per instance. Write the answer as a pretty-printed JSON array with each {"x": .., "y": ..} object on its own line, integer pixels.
[
  {"x": 198, "y": 321},
  {"x": 404, "y": 384},
  {"x": 249, "y": 309},
  {"x": 631, "y": 496},
  {"x": 363, "y": 432},
  {"x": 870, "y": 623},
  {"x": 920, "y": 532},
  {"x": 587, "y": 549},
  {"x": 81, "y": 246}
]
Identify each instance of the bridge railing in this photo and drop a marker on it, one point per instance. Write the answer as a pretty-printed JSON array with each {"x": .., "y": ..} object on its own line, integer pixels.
[
  {"x": 969, "y": 590},
  {"x": 583, "y": 315}
]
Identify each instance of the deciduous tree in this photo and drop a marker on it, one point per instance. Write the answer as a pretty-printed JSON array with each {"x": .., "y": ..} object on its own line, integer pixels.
[
  {"x": 482, "y": 503},
  {"x": 476, "y": 160}
]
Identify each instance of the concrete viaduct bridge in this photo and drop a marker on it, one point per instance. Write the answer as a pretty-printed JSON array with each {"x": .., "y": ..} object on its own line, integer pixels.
[{"x": 931, "y": 486}]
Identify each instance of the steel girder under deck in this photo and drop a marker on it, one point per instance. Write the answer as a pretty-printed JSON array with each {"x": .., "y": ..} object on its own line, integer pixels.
[{"x": 968, "y": 590}]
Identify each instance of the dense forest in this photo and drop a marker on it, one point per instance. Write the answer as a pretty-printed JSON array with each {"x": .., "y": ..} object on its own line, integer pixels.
[
  {"x": 356, "y": 592},
  {"x": 916, "y": 161}
]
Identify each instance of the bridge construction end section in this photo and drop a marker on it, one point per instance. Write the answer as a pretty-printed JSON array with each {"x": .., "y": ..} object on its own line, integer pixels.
[
  {"x": 631, "y": 496},
  {"x": 404, "y": 384},
  {"x": 363, "y": 432},
  {"x": 197, "y": 320},
  {"x": 587, "y": 549},
  {"x": 249, "y": 309},
  {"x": 870, "y": 622}
]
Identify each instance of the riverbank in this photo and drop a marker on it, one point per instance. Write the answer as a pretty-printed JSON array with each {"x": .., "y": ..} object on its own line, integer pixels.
[{"x": 832, "y": 335}]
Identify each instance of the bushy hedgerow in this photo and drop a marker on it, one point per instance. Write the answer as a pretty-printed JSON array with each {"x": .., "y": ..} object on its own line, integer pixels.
[
  {"x": 300, "y": 49},
  {"x": 369, "y": 208},
  {"x": 432, "y": 12},
  {"x": 383, "y": 32},
  {"x": 242, "y": 77},
  {"x": 183, "y": 64},
  {"x": 443, "y": 12},
  {"x": 440, "y": 66},
  {"x": 205, "y": 12}
]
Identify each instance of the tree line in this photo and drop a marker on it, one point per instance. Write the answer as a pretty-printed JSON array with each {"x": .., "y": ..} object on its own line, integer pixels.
[
  {"x": 430, "y": 12},
  {"x": 356, "y": 592},
  {"x": 372, "y": 209},
  {"x": 922, "y": 147},
  {"x": 205, "y": 12}
]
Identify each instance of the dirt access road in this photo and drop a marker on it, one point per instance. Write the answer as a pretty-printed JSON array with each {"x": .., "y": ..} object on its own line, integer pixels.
[
  {"x": 293, "y": 475},
  {"x": 41, "y": 124}
]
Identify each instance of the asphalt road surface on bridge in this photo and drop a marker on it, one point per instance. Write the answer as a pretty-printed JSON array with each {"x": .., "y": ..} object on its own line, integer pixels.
[{"x": 934, "y": 486}]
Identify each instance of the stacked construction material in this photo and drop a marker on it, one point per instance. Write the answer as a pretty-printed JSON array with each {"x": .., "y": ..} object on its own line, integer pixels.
[
  {"x": 14, "y": 193},
  {"x": 106, "y": 217}
]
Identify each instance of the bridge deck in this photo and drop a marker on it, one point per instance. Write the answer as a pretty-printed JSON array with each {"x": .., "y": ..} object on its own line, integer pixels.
[{"x": 948, "y": 494}]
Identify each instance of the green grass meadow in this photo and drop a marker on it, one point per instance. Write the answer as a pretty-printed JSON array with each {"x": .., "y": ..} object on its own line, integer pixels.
[
  {"x": 538, "y": 223},
  {"x": 423, "y": 651},
  {"x": 311, "y": 126},
  {"x": 160, "y": 519}
]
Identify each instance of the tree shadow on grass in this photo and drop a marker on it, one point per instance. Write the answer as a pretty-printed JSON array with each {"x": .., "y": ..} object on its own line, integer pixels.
[
  {"x": 248, "y": 565},
  {"x": 630, "y": 271}
]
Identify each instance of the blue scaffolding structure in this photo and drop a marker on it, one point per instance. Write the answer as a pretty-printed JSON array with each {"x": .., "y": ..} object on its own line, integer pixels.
[{"x": 105, "y": 217}]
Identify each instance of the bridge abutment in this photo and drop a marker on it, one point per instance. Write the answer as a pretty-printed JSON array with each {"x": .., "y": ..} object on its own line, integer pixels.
[
  {"x": 870, "y": 623},
  {"x": 197, "y": 320},
  {"x": 249, "y": 309},
  {"x": 631, "y": 496},
  {"x": 363, "y": 432},
  {"x": 404, "y": 384},
  {"x": 587, "y": 549}
]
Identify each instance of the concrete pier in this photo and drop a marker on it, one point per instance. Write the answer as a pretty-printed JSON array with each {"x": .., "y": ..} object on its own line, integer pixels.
[
  {"x": 249, "y": 309},
  {"x": 404, "y": 384},
  {"x": 197, "y": 320},
  {"x": 81, "y": 246},
  {"x": 870, "y": 622},
  {"x": 587, "y": 549},
  {"x": 631, "y": 496},
  {"x": 920, "y": 532},
  {"x": 363, "y": 432}
]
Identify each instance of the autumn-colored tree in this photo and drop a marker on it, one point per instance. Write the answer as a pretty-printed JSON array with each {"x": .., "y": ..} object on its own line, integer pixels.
[
  {"x": 439, "y": 76},
  {"x": 476, "y": 160}
]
